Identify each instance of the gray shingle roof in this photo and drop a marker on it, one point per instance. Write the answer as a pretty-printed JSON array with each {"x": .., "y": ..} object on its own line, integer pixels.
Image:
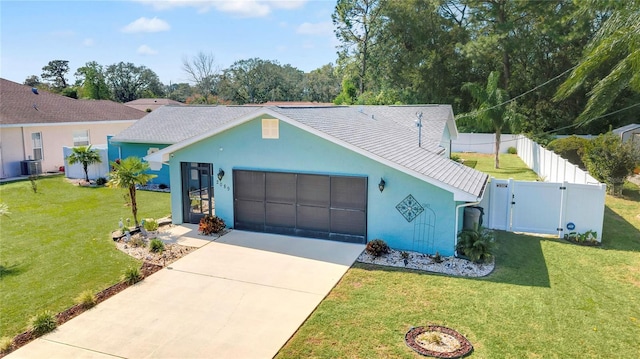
[
  {"x": 386, "y": 133},
  {"x": 389, "y": 132},
  {"x": 19, "y": 105},
  {"x": 172, "y": 124}
]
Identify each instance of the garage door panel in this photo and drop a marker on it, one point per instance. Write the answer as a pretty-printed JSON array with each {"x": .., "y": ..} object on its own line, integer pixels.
[
  {"x": 280, "y": 187},
  {"x": 280, "y": 215},
  {"x": 313, "y": 190},
  {"x": 313, "y": 218},
  {"x": 348, "y": 222},
  {"x": 250, "y": 212},
  {"x": 349, "y": 192},
  {"x": 249, "y": 185}
]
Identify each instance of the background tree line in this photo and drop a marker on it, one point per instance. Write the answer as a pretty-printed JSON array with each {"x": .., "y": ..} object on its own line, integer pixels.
[
  {"x": 572, "y": 61},
  {"x": 562, "y": 65},
  {"x": 244, "y": 82}
]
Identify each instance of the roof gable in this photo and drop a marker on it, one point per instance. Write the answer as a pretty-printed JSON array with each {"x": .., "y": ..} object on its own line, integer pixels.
[{"x": 20, "y": 105}]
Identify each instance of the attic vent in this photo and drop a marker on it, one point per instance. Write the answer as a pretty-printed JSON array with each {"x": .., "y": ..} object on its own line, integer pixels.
[{"x": 34, "y": 90}]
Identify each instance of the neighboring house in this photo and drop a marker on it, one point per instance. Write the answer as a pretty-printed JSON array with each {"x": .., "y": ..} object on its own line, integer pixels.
[
  {"x": 341, "y": 173},
  {"x": 150, "y": 104},
  {"x": 35, "y": 125}
]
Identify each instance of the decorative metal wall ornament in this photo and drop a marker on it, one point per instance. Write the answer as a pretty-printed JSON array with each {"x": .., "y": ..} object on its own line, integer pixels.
[{"x": 409, "y": 208}]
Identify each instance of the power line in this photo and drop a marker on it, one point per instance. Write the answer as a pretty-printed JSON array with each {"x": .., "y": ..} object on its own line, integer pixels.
[{"x": 517, "y": 97}]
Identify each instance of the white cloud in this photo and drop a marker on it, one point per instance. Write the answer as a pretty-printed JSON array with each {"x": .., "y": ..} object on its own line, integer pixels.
[
  {"x": 147, "y": 25},
  {"x": 88, "y": 42},
  {"x": 243, "y": 8},
  {"x": 320, "y": 28},
  {"x": 146, "y": 50}
]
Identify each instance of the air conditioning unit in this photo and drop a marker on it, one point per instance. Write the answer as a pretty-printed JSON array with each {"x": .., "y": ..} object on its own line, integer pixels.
[{"x": 30, "y": 167}]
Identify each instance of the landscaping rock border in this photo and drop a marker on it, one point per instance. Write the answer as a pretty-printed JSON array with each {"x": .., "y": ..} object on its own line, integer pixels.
[
  {"x": 424, "y": 262},
  {"x": 465, "y": 345}
]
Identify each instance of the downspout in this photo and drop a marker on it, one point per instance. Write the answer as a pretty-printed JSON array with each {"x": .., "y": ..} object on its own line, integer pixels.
[{"x": 455, "y": 235}]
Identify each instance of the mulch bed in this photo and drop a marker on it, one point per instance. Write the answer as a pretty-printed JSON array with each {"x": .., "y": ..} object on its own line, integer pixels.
[
  {"x": 410, "y": 339},
  {"x": 72, "y": 312}
]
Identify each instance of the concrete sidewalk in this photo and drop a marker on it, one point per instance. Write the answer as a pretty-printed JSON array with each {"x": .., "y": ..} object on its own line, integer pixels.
[{"x": 242, "y": 296}]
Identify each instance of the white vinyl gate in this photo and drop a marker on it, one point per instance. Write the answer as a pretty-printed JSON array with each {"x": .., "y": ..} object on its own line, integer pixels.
[{"x": 544, "y": 207}]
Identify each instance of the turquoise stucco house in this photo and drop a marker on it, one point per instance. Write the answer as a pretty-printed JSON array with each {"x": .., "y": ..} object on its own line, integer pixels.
[{"x": 347, "y": 173}]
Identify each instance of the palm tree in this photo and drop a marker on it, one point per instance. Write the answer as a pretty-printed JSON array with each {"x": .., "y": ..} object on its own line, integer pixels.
[
  {"x": 491, "y": 111},
  {"x": 616, "y": 44},
  {"x": 86, "y": 156},
  {"x": 128, "y": 173}
]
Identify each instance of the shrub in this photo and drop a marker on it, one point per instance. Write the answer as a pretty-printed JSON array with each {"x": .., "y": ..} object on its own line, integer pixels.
[
  {"x": 476, "y": 244},
  {"x": 570, "y": 148},
  {"x": 377, "y": 247},
  {"x": 5, "y": 344},
  {"x": 156, "y": 246},
  {"x": 456, "y": 158},
  {"x": 611, "y": 161},
  {"x": 86, "y": 299},
  {"x": 150, "y": 224},
  {"x": 43, "y": 323},
  {"x": 137, "y": 241},
  {"x": 437, "y": 257},
  {"x": 211, "y": 224},
  {"x": 101, "y": 181},
  {"x": 512, "y": 150},
  {"x": 132, "y": 275}
]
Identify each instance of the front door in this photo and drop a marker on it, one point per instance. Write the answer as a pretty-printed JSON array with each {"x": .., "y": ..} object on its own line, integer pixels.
[{"x": 197, "y": 191}]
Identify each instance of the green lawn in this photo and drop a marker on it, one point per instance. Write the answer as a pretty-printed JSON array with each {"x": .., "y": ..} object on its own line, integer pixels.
[
  {"x": 546, "y": 299},
  {"x": 56, "y": 243},
  {"x": 511, "y": 166}
]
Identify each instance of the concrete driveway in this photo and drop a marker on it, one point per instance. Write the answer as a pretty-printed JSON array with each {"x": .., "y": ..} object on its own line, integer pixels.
[{"x": 242, "y": 296}]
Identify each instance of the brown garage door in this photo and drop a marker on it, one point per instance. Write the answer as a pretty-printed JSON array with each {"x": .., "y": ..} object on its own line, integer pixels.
[{"x": 308, "y": 205}]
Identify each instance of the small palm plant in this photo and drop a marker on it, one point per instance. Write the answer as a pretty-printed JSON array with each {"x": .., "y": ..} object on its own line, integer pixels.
[
  {"x": 129, "y": 173},
  {"x": 477, "y": 244},
  {"x": 85, "y": 156}
]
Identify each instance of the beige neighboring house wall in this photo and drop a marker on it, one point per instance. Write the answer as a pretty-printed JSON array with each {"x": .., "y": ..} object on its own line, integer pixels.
[
  {"x": 57, "y": 120},
  {"x": 17, "y": 142}
]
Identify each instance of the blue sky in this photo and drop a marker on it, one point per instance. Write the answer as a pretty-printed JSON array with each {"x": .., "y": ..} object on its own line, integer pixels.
[{"x": 160, "y": 33}]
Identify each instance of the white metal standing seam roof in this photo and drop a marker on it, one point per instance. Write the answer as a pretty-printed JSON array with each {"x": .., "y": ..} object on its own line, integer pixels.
[{"x": 385, "y": 133}]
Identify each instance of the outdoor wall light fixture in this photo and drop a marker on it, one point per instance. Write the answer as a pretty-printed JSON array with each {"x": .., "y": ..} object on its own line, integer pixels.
[
  {"x": 220, "y": 174},
  {"x": 381, "y": 184}
]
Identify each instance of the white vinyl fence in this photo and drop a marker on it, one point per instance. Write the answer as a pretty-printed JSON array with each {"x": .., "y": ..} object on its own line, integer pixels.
[
  {"x": 570, "y": 200},
  {"x": 544, "y": 207},
  {"x": 95, "y": 171},
  {"x": 482, "y": 142},
  {"x": 549, "y": 165}
]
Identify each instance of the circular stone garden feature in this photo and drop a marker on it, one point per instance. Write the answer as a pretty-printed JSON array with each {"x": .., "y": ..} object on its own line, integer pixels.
[{"x": 438, "y": 342}]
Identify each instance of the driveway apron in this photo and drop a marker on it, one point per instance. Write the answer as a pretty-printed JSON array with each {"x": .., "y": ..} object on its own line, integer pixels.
[{"x": 242, "y": 296}]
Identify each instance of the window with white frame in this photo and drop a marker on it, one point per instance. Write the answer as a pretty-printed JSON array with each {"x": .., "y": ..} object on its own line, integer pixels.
[
  {"x": 81, "y": 138},
  {"x": 270, "y": 128},
  {"x": 36, "y": 139}
]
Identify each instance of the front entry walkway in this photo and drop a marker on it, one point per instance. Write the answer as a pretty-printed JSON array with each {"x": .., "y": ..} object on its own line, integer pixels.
[{"x": 242, "y": 296}]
